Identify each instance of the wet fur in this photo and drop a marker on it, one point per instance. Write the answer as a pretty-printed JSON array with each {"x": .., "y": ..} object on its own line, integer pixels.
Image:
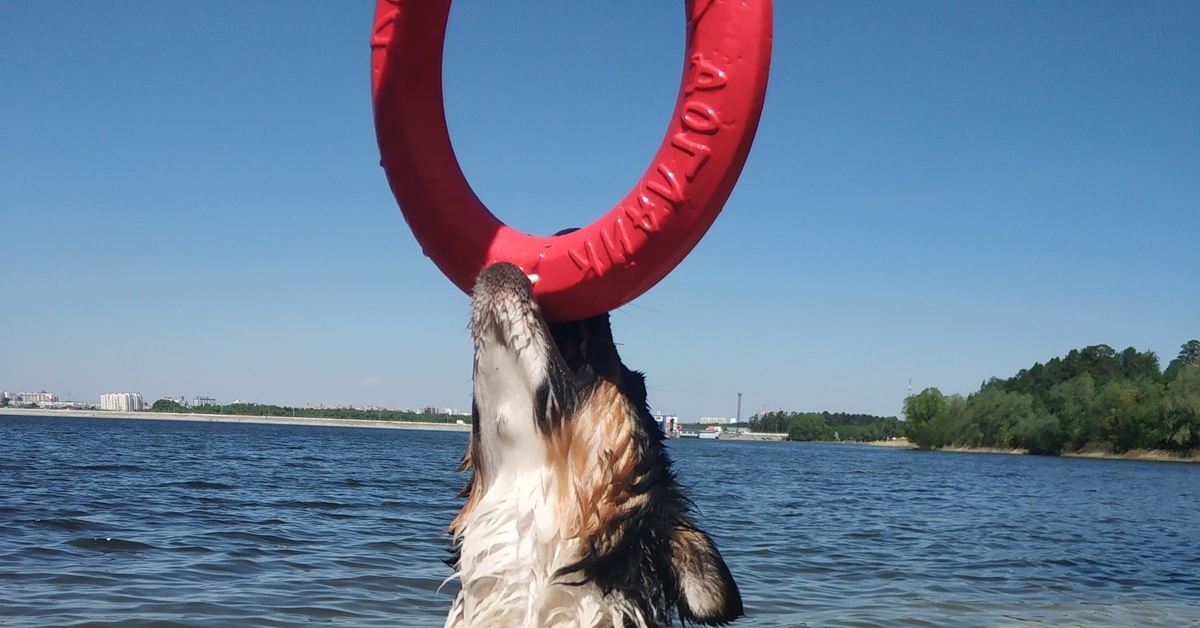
[{"x": 573, "y": 516}]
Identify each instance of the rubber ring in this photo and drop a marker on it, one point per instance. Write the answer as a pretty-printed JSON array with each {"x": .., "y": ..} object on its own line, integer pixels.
[{"x": 632, "y": 247}]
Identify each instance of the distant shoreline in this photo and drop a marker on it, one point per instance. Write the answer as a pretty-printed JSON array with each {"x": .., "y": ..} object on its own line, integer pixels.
[
  {"x": 1150, "y": 455},
  {"x": 1137, "y": 454},
  {"x": 235, "y": 418}
]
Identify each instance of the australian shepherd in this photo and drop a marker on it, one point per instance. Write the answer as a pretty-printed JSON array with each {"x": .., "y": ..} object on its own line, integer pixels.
[{"x": 572, "y": 515}]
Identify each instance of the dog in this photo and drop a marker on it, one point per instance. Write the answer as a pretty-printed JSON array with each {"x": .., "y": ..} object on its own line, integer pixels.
[{"x": 573, "y": 516}]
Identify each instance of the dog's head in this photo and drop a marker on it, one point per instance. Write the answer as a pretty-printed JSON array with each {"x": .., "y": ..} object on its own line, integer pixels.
[{"x": 541, "y": 388}]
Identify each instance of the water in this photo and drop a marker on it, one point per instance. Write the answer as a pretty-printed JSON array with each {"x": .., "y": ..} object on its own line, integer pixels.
[{"x": 162, "y": 523}]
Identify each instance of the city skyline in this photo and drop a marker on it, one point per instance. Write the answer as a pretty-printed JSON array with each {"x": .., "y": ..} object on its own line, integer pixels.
[{"x": 199, "y": 401}]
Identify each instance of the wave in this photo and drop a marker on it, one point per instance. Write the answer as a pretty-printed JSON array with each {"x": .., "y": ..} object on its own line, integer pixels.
[{"x": 109, "y": 544}]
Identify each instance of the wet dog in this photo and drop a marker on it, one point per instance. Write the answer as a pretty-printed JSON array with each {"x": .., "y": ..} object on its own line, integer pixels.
[{"x": 573, "y": 516}]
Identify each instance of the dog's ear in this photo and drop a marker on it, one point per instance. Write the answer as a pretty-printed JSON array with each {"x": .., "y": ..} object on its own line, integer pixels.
[{"x": 707, "y": 592}]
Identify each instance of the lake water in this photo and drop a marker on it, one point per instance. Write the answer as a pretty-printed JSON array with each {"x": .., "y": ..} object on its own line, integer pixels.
[{"x": 163, "y": 523}]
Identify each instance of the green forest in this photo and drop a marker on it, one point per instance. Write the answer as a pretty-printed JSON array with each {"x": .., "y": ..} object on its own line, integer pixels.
[
  {"x": 817, "y": 426},
  {"x": 1094, "y": 400},
  {"x": 256, "y": 409}
]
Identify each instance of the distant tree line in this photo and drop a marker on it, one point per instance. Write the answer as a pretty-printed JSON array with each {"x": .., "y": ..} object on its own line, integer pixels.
[
  {"x": 256, "y": 409},
  {"x": 1094, "y": 399},
  {"x": 826, "y": 426}
]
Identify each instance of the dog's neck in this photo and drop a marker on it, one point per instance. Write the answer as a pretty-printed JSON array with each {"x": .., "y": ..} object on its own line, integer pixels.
[{"x": 505, "y": 404}]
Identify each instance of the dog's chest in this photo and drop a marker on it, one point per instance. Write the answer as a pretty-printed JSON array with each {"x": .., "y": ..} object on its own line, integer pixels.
[{"x": 511, "y": 547}]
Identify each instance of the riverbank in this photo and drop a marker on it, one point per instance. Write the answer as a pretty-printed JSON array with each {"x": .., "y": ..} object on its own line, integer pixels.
[
  {"x": 232, "y": 418},
  {"x": 901, "y": 442},
  {"x": 1154, "y": 455},
  {"x": 765, "y": 436},
  {"x": 1016, "y": 451}
]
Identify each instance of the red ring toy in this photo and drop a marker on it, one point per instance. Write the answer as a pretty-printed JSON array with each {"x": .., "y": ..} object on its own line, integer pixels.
[{"x": 624, "y": 253}]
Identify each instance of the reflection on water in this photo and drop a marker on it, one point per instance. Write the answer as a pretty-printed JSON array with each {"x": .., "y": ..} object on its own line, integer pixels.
[{"x": 106, "y": 522}]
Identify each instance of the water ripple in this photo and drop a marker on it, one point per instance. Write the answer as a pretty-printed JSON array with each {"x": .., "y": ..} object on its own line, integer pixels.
[
  {"x": 109, "y": 545},
  {"x": 202, "y": 524}
]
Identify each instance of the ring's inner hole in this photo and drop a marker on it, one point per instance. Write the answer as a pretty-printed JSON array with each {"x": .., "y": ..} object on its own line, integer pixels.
[{"x": 554, "y": 119}]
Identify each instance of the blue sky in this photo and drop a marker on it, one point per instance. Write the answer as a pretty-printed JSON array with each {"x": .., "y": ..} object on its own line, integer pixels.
[{"x": 191, "y": 202}]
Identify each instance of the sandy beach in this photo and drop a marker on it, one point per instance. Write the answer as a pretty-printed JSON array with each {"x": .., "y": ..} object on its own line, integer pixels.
[{"x": 227, "y": 418}]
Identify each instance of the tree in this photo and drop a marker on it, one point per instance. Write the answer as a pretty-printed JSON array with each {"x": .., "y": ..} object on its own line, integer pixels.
[
  {"x": 1128, "y": 414},
  {"x": 1181, "y": 410},
  {"x": 1040, "y": 433},
  {"x": 890, "y": 427},
  {"x": 1056, "y": 371},
  {"x": 927, "y": 418},
  {"x": 1071, "y": 402},
  {"x": 1092, "y": 397},
  {"x": 1138, "y": 365},
  {"x": 771, "y": 422},
  {"x": 808, "y": 427},
  {"x": 994, "y": 414},
  {"x": 1189, "y": 353},
  {"x": 166, "y": 405},
  {"x": 1101, "y": 361},
  {"x": 956, "y": 407},
  {"x": 1026, "y": 380}
]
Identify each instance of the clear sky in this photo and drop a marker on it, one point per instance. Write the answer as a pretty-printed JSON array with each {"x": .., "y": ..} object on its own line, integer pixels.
[{"x": 191, "y": 201}]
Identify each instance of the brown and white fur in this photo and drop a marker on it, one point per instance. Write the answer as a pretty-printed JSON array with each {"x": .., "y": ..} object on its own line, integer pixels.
[{"x": 573, "y": 516}]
